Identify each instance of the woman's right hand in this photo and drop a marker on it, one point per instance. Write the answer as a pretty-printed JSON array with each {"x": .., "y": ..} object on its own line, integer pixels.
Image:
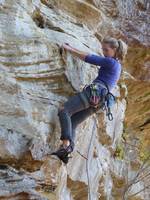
[
  {"x": 66, "y": 46},
  {"x": 75, "y": 52}
]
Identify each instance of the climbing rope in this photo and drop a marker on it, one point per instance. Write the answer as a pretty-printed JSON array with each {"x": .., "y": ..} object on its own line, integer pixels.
[{"x": 87, "y": 161}]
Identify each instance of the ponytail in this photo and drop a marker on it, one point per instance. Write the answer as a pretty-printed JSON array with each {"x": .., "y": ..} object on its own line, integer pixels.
[
  {"x": 120, "y": 46},
  {"x": 121, "y": 50}
]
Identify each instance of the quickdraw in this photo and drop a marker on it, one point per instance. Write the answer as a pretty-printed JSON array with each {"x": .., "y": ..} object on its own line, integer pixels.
[{"x": 106, "y": 106}]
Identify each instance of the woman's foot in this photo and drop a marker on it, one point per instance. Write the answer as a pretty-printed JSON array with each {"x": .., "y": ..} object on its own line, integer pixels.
[{"x": 63, "y": 152}]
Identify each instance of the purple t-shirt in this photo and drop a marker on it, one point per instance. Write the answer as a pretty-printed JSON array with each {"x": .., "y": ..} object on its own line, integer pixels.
[{"x": 109, "y": 71}]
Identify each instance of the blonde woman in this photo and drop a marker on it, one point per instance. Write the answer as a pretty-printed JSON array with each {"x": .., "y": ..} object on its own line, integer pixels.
[{"x": 80, "y": 106}]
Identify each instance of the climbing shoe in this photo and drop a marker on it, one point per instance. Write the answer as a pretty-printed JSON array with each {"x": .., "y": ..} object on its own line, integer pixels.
[{"x": 63, "y": 153}]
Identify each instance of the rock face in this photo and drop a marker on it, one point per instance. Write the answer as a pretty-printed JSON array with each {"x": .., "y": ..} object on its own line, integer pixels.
[{"x": 35, "y": 80}]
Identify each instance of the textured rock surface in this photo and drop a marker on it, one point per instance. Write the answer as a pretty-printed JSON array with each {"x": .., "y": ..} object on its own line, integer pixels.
[{"x": 35, "y": 80}]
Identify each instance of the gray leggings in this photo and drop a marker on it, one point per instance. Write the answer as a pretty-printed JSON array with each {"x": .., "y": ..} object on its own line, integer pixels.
[{"x": 75, "y": 111}]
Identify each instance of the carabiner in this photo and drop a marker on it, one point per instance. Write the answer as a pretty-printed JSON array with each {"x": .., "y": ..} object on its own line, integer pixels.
[{"x": 110, "y": 116}]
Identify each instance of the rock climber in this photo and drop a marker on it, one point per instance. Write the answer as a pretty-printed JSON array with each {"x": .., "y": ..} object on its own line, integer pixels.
[{"x": 80, "y": 106}]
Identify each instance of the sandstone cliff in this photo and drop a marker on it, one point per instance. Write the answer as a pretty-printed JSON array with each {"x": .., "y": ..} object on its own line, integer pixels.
[{"x": 35, "y": 80}]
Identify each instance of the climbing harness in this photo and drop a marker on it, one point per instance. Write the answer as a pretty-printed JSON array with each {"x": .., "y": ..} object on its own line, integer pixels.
[{"x": 101, "y": 99}]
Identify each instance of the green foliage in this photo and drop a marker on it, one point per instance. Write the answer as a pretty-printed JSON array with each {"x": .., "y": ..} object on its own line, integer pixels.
[
  {"x": 144, "y": 150},
  {"x": 144, "y": 155},
  {"x": 119, "y": 152}
]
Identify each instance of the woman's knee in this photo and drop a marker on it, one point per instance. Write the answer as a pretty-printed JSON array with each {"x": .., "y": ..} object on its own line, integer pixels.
[
  {"x": 68, "y": 108},
  {"x": 63, "y": 110},
  {"x": 60, "y": 108}
]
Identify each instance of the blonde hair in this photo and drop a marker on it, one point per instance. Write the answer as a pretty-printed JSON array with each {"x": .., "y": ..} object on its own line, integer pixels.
[{"x": 120, "y": 45}]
